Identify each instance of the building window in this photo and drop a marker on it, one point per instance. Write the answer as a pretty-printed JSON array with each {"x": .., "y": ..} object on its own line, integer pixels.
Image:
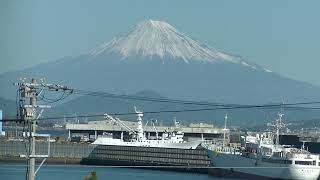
[{"x": 304, "y": 162}]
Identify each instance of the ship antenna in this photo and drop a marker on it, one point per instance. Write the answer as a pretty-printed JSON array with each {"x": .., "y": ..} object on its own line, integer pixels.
[
  {"x": 225, "y": 129},
  {"x": 278, "y": 125},
  {"x": 140, "y": 128}
]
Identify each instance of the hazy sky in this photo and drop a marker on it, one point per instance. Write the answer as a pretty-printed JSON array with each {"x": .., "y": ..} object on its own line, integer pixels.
[{"x": 281, "y": 35}]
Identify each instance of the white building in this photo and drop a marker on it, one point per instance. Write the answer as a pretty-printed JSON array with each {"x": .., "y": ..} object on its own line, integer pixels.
[{"x": 2, "y": 133}]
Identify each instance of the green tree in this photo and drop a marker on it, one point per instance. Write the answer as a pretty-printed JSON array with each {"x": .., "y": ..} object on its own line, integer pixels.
[{"x": 92, "y": 176}]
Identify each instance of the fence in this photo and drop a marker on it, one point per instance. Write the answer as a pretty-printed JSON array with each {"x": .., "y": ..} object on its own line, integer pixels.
[{"x": 57, "y": 150}]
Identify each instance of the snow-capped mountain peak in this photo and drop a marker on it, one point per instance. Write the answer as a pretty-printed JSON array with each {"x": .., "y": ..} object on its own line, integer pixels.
[{"x": 157, "y": 38}]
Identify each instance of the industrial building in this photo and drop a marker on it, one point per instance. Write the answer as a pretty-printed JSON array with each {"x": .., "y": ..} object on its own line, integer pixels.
[
  {"x": 121, "y": 129},
  {"x": 2, "y": 133}
]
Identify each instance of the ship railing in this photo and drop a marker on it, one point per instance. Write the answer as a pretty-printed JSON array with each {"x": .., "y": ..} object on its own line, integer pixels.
[
  {"x": 207, "y": 142},
  {"x": 105, "y": 136},
  {"x": 267, "y": 154},
  {"x": 296, "y": 155},
  {"x": 216, "y": 148}
]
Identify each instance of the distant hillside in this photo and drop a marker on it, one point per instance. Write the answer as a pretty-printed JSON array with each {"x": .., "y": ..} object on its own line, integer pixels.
[
  {"x": 8, "y": 108},
  {"x": 90, "y": 105},
  {"x": 237, "y": 117}
]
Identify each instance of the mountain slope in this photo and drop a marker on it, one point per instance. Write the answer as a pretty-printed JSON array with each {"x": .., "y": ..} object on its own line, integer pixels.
[
  {"x": 154, "y": 55},
  {"x": 8, "y": 108}
]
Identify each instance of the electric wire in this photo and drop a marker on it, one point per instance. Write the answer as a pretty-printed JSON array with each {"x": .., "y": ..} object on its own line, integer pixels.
[
  {"x": 287, "y": 106},
  {"x": 50, "y": 100},
  {"x": 166, "y": 100},
  {"x": 141, "y": 98},
  {"x": 156, "y": 112}
]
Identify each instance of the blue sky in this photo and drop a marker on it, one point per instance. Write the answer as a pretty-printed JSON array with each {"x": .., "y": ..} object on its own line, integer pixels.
[{"x": 281, "y": 35}]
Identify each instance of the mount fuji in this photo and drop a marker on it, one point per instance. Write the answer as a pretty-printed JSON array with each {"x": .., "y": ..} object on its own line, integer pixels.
[
  {"x": 159, "y": 39},
  {"x": 155, "y": 56}
]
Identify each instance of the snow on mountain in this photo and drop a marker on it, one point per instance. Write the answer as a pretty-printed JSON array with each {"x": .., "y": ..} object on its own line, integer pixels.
[
  {"x": 155, "y": 56},
  {"x": 157, "y": 38}
]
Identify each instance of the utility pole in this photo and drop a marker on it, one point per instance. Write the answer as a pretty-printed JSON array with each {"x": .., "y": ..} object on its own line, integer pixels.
[
  {"x": 29, "y": 92},
  {"x": 32, "y": 131}
]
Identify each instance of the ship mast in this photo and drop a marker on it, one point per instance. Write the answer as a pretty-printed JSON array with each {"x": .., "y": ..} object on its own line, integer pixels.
[
  {"x": 279, "y": 124},
  {"x": 140, "y": 129},
  {"x": 224, "y": 130}
]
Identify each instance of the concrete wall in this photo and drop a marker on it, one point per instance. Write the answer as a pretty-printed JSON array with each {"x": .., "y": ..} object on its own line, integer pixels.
[{"x": 57, "y": 150}]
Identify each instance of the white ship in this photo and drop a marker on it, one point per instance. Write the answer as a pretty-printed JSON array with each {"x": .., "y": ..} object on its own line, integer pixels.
[
  {"x": 260, "y": 158},
  {"x": 172, "y": 140}
]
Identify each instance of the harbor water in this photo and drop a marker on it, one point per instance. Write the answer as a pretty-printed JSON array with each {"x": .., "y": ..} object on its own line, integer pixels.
[{"x": 77, "y": 172}]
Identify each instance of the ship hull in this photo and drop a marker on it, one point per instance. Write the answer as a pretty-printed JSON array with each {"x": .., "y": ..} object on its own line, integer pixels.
[
  {"x": 151, "y": 143},
  {"x": 231, "y": 165}
]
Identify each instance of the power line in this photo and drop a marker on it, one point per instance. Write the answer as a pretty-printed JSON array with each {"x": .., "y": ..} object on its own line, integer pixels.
[
  {"x": 141, "y": 98},
  {"x": 50, "y": 100},
  {"x": 287, "y": 106},
  {"x": 168, "y": 111},
  {"x": 177, "y": 101}
]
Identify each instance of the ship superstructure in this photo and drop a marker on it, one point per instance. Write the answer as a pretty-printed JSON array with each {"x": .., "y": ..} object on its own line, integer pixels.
[{"x": 168, "y": 140}]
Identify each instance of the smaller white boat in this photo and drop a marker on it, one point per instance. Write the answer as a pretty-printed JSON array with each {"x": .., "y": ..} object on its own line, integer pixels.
[{"x": 262, "y": 158}]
